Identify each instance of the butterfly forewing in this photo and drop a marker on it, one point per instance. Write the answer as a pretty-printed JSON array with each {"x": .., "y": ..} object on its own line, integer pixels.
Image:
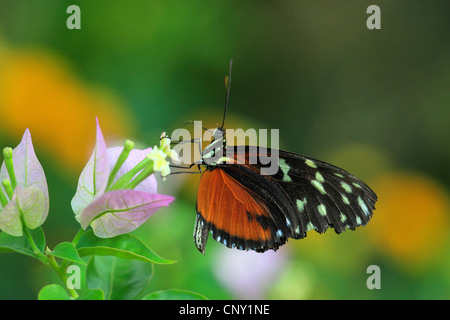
[
  {"x": 336, "y": 197},
  {"x": 236, "y": 201}
]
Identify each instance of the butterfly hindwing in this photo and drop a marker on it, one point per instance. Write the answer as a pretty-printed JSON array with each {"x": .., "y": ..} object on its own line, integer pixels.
[{"x": 234, "y": 214}]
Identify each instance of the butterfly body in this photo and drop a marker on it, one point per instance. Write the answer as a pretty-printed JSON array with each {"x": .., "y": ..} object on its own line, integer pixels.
[{"x": 246, "y": 209}]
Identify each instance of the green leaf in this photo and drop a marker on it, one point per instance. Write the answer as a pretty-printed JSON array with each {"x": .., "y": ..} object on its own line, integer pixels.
[
  {"x": 119, "y": 279},
  {"x": 92, "y": 294},
  {"x": 10, "y": 243},
  {"x": 124, "y": 246},
  {"x": 174, "y": 294},
  {"x": 67, "y": 251},
  {"x": 53, "y": 292}
]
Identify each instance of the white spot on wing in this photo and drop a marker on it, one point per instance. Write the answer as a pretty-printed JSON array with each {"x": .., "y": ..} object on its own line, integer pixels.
[
  {"x": 322, "y": 210},
  {"x": 356, "y": 185},
  {"x": 319, "y": 177},
  {"x": 310, "y": 226},
  {"x": 301, "y": 204},
  {"x": 288, "y": 223},
  {"x": 285, "y": 168},
  {"x": 346, "y": 187},
  {"x": 363, "y": 206},
  {"x": 358, "y": 220},
  {"x": 310, "y": 163},
  {"x": 318, "y": 186},
  {"x": 345, "y": 199}
]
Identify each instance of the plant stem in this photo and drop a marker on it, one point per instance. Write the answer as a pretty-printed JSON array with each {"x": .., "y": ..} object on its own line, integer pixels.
[
  {"x": 75, "y": 240},
  {"x": 129, "y": 145},
  {"x": 144, "y": 174},
  {"x": 49, "y": 260},
  {"x": 42, "y": 257},
  {"x": 62, "y": 275},
  {"x": 8, "y": 188},
  {"x": 3, "y": 200},
  {"x": 8, "y": 156},
  {"x": 126, "y": 178},
  {"x": 78, "y": 236}
]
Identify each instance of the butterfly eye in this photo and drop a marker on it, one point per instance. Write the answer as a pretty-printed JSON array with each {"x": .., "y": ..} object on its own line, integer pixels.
[{"x": 211, "y": 154}]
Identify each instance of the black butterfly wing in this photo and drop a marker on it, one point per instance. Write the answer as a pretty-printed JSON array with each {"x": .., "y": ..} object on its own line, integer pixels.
[{"x": 325, "y": 195}]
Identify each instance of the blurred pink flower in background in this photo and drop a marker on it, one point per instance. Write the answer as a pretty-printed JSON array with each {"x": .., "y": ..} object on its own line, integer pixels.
[{"x": 248, "y": 274}]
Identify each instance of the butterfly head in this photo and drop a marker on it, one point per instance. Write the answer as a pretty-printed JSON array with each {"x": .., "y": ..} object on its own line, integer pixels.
[{"x": 214, "y": 153}]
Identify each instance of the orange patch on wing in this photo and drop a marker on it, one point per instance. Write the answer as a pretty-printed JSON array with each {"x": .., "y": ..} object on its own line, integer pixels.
[{"x": 231, "y": 207}]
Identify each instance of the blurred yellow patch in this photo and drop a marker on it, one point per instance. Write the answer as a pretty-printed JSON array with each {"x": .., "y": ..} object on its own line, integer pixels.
[
  {"x": 411, "y": 219},
  {"x": 39, "y": 92}
]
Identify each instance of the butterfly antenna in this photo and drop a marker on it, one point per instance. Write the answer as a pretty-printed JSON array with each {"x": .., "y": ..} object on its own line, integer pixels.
[{"x": 227, "y": 91}]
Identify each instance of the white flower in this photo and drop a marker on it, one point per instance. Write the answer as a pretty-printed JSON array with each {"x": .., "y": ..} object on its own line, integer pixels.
[
  {"x": 165, "y": 147},
  {"x": 159, "y": 161}
]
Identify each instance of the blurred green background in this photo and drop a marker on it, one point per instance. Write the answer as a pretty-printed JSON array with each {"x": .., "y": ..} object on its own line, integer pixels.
[{"x": 375, "y": 102}]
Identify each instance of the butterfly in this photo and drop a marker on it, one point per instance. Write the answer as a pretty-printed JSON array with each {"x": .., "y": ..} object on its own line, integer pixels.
[{"x": 245, "y": 209}]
